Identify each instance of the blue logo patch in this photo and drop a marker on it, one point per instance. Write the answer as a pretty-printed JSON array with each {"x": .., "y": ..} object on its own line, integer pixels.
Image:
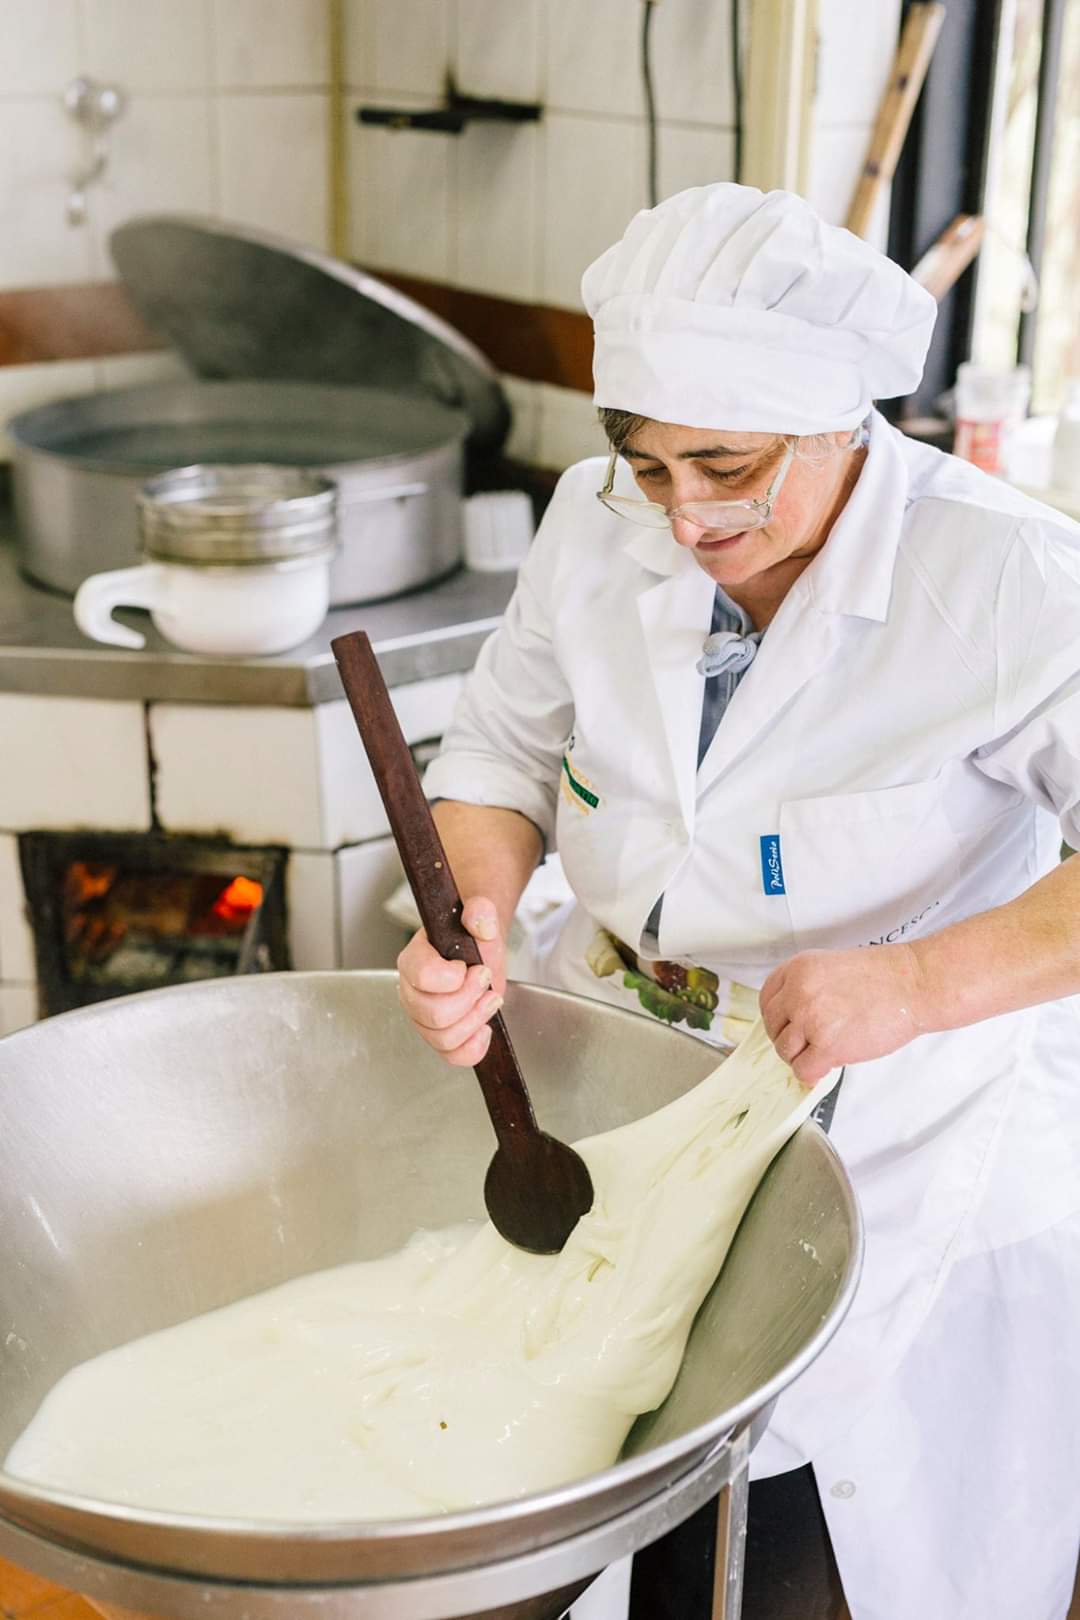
[{"x": 772, "y": 868}]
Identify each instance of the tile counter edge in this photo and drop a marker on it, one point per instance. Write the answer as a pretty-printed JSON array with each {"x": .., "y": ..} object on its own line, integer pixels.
[{"x": 435, "y": 631}]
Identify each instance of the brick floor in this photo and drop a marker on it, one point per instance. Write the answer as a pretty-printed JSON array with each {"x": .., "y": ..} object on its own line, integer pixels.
[{"x": 24, "y": 1594}]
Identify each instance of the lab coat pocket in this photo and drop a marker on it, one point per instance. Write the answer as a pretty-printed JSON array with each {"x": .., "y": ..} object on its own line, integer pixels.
[{"x": 867, "y": 868}]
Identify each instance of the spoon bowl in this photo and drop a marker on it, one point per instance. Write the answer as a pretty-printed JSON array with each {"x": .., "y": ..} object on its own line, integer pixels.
[{"x": 537, "y": 1161}]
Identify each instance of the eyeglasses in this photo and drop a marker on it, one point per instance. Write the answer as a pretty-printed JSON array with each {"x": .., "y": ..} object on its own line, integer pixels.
[{"x": 731, "y": 516}]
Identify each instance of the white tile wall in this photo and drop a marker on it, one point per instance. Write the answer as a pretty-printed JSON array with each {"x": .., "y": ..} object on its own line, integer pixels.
[
  {"x": 18, "y": 1007},
  {"x": 521, "y": 212},
  {"x": 351, "y": 808},
  {"x": 163, "y": 45},
  {"x": 593, "y": 57},
  {"x": 496, "y": 225},
  {"x": 41, "y": 45},
  {"x": 409, "y": 42},
  {"x": 587, "y": 179},
  {"x": 367, "y": 875},
  {"x": 694, "y": 157},
  {"x": 497, "y": 51},
  {"x": 133, "y": 370},
  {"x": 54, "y": 750},
  {"x": 248, "y": 773},
  {"x": 259, "y": 43},
  {"x": 400, "y": 193},
  {"x": 552, "y": 427},
  {"x": 523, "y": 443},
  {"x": 424, "y": 708},
  {"x": 280, "y": 776},
  {"x": 312, "y": 910},
  {"x": 569, "y": 427},
  {"x": 594, "y": 183},
  {"x": 358, "y": 42},
  {"x": 160, "y": 158},
  {"x": 691, "y": 53},
  {"x": 259, "y": 154},
  {"x": 274, "y": 166},
  {"x": 39, "y": 151},
  {"x": 16, "y": 938}
]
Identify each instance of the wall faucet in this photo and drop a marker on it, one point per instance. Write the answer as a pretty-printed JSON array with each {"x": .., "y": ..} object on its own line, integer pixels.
[{"x": 96, "y": 107}]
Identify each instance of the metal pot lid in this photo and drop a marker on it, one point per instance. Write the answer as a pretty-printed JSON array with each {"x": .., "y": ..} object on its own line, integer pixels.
[{"x": 241, "y": 304}]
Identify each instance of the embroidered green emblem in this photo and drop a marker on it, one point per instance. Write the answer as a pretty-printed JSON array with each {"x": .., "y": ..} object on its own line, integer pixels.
[{"x": 583, "y": 793}]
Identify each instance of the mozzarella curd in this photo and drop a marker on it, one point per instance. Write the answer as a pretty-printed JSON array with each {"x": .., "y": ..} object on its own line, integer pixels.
[{"x": 457, "y": 1372}]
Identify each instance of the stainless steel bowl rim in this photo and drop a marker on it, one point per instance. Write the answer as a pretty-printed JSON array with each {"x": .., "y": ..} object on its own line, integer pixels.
[{"x": 690, "y": 1447}]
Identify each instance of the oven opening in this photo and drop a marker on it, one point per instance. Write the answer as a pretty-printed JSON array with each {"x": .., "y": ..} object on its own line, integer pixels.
[{"x": 115, "y": 914}]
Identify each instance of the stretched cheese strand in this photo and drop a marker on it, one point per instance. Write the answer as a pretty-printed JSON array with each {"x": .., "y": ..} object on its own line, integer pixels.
[{"x": 456, "y": 1372}]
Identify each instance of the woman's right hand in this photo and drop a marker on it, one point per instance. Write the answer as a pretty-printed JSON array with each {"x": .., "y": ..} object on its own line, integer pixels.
[{"x": 449, "y": 1004}]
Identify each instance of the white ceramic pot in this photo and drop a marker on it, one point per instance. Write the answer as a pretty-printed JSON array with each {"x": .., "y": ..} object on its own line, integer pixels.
[
  {"x": 244, "y": 611},
  {"x": 238, "y": 562}
]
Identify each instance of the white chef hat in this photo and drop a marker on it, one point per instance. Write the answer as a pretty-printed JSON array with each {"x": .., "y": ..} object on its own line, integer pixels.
[{"x": 728, "y": 307}]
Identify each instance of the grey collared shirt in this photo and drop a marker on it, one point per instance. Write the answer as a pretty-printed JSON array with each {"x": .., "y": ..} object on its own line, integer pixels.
[{"x": 719, "y": 690}]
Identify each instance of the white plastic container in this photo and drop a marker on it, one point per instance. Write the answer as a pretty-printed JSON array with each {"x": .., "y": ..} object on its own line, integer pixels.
[
  {"x": 498, "y": 530},
  {"x": 1065, "y": 457},
  {"x": 989, "y": 405}
]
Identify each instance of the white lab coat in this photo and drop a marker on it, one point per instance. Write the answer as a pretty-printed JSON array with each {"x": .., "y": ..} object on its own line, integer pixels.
[{"x": 910, "y": 733}]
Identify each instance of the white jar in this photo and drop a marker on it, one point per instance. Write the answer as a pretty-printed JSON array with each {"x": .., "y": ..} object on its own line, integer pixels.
[
  {"x": 238, "y": 562},
  {"x": 498, "y": 530},
  {"x": 989, "y": 406},
  {"x": 1065, "y": 457}
]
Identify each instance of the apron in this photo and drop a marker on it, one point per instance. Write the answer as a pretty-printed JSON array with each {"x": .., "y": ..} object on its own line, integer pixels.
[{"x": 943, "y": 1420}]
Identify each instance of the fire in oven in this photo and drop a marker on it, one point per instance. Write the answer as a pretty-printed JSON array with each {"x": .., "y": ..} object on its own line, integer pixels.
[{"x": 115, "y": 913}]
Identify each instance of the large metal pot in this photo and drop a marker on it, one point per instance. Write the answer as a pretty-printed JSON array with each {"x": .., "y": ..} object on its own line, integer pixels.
[
  {"x": 168, "y": 1153},
  {"x": 396, "y": 459}
]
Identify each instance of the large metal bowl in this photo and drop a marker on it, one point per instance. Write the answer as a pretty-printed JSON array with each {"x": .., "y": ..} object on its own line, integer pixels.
[{"x": 168, "y": 1153}]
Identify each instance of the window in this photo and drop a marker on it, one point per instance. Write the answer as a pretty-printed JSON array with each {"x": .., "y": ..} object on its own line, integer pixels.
[{"x": 1032, "y": 203}]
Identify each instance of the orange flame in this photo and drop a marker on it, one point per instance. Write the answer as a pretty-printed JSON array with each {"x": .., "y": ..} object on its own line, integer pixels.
[{"x": 238, "y": 900}]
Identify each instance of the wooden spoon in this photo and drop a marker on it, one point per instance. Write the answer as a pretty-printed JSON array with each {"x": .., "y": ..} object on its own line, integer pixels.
[{"x": 536, "y": 1189}]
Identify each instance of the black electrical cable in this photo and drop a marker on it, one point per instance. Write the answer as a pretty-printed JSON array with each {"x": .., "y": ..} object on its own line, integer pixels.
[
  {"x": 650, "y": 102},
  {"x": 737, "y": 84}
]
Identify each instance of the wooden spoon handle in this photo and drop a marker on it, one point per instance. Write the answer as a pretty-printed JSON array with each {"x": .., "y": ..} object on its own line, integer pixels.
[{"x": 426, "y": 867}]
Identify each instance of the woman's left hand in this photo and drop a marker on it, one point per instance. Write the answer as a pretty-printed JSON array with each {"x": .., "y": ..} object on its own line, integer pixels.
[{"x": 825, "y": 1008}]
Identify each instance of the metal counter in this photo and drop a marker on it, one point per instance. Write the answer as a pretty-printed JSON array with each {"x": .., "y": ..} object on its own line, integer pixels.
[{"x": 435, "y": 631}]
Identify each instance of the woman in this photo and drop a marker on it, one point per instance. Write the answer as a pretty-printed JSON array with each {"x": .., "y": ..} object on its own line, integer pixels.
[{"x": 807, "y": 724}]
